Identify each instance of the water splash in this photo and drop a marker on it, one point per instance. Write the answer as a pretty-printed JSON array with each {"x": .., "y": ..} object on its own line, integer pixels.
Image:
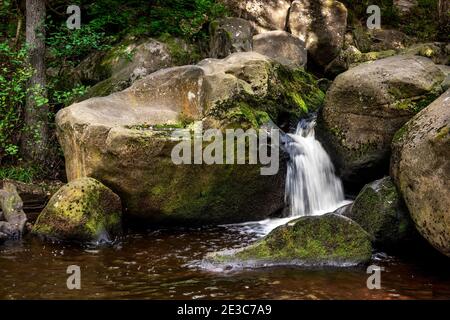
[{"x": 311, "y": 183}]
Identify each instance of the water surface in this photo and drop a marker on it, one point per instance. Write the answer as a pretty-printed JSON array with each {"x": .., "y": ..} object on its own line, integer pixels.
[{"x": 164, "y": 264}]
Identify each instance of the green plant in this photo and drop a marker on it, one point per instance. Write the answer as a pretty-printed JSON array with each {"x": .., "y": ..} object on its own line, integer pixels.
[
  {"x": 184, "y": 18},
  {"x": 14, "y": 75},
  {"x": 67, "y": 97},
  {"x": 18, "y": 173}
]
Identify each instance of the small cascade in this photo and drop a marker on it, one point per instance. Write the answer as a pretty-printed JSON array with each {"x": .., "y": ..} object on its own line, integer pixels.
[{"x": 311, "y": 183}]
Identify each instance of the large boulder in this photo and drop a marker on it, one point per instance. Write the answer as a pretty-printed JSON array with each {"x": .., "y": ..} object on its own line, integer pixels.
[
  {"x": 366, "y": 105},
  {"x": 230, "y": 35},
  {"x": 265, "y": 15},
  {"x": 420, "y": 166},
  {"x": 82, "y": 210},
  {"x": 379, "y": 209},
  {"x": 331, "y": 240},
  {"x": 321, "y": 24},
  {"x": 125, "y": 140},
  {"x": 281, "y": 46}
]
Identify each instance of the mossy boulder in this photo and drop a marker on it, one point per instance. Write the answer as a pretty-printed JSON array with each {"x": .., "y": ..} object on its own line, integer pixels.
[
  {"x": 367, "y": 104},
  {"x": 128, "y": 61},
  {"x": 82, "y": 210},
  {"x": 125, "y": 139},
  {"x": 379, "y": 209},
  {"x": 420, "y": 166},
  {"x": 328, "y": 240}
]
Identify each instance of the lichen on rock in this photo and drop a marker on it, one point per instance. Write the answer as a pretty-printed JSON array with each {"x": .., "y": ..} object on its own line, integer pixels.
[{"x": 83, "y": 210}]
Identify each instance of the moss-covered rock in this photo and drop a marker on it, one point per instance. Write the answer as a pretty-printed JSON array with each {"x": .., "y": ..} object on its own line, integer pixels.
[
  {"x": 420, "y": 167},
  {"x": 82, "y": 210},
  {"x": 366, "y": 105},
  {"x": 330, "y": 239},
  {"x": 124, "y": 140},
  {"x": 380, "y": 210},
  {"x": 128, "y": 61}
]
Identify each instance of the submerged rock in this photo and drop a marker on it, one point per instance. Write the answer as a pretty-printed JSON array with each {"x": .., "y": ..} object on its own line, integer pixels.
[
  {"x": 124, "y": 140},
  {"x": 321, "y": 24},
  {"x": 330, "y": 239},
  {"x": 366, "y": 105},
  {"x": 230, "y": 35},
  {"x": 420, "y": 166},
  {"x": 281, "y": 46},
  {"x": 82, "y": 210},
  {"x": 380, "y": 210}
]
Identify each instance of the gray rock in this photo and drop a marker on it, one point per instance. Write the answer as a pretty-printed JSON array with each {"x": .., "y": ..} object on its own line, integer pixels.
[
  {"x": 12, "y": 208},
  {"x": 282, "y": 47},
  {"x": 321, "y": 24},
  {"x": 230, "y": 35},
  {"x": 265, "y": 15}
]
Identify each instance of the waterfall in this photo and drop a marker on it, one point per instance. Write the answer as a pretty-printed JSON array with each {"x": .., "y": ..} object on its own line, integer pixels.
[{"x": 311, "y": 183}]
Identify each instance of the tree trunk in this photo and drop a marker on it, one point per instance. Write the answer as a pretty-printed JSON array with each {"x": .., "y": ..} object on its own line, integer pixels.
[
  {"x": 35, "y": 135},
  {"x": 444, "y": 6}
]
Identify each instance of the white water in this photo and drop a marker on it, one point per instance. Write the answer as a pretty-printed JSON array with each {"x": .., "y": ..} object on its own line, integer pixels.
[
  {"x": 311, "y": 183},
  {"x": 312, "y": 187}
]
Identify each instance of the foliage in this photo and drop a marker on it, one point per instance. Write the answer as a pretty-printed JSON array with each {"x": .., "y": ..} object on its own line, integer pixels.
[
  {"x": 184, "y": 18},
  {"x": 19, "y": 173},
  {"x": 14, "y": 74},
  {"x": 421, "y": 22}
]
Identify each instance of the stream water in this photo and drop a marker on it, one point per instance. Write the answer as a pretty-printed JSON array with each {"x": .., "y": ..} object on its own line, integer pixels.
[{"x": 167, "y": 263}]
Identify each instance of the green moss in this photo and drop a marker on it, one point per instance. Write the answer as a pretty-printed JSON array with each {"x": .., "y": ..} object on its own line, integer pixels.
[
  {"x": 291, "y": 94},
  {"x": 310, "y": 240},
  {"x": 82, "y": 210},
  {"x": 442, "y": 133},
  {"x": 379, "y": 210},
  {"x": 182, "y": 53}
]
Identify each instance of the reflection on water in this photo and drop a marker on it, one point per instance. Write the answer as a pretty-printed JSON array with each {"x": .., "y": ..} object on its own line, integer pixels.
[{"x": 162, "y": 265}]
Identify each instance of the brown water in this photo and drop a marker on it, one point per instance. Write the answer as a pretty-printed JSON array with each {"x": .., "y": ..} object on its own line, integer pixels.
[{"x": 164, "y": 264}]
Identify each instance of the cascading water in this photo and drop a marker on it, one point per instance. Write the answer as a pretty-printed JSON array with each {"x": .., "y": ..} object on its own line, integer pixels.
[
  {"x": 311, "y": 183},
  {"x": 312, "y": 187}
]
